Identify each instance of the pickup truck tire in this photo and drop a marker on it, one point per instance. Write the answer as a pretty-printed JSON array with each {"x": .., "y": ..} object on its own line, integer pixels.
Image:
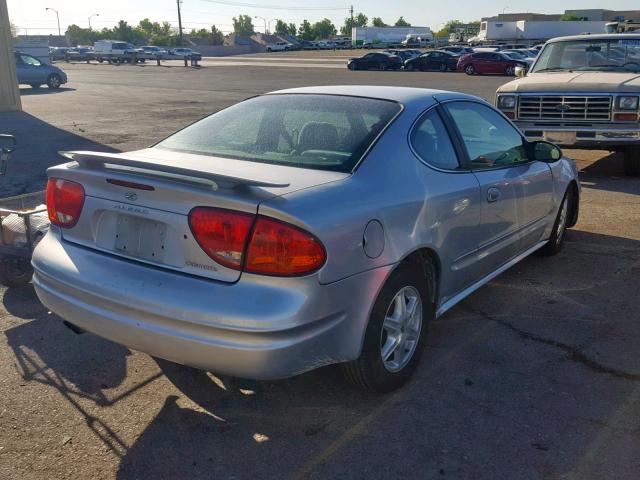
[
  {"x": 54, "y": 81},
  {"x": 632, "y": 161}
]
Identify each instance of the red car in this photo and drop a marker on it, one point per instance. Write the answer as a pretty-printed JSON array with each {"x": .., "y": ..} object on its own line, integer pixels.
[{"x": 488, "y": 62}]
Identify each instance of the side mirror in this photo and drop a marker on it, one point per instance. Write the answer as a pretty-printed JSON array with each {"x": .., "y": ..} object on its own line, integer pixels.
[
  {"x": 545, "y": 152},
  {"x": 520, "y": 71},
  {"x": 7, "y": 145}
]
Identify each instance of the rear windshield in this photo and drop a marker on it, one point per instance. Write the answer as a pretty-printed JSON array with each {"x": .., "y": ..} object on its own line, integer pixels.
[{"x": 324, "y": 132}]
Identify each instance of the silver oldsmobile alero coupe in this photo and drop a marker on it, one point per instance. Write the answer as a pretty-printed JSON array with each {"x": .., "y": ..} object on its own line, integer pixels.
[{"x": 301, "y": 228}]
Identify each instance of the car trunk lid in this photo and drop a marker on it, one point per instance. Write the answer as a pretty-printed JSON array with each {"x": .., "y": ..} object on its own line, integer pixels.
[{"x": 137, "y": 204}]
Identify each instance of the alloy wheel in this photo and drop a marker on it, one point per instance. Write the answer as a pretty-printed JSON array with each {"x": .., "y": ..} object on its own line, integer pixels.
[{"x": 401, "y": 329}]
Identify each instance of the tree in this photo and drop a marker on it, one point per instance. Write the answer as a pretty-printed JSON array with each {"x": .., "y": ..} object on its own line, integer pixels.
[
  {"x": 214, "y": 36},
  {"x": 323, "y": 29},
  {"x": 305, "y": 31},
  {"x": 570, "y": 17},
  {"x": 402, "y": 23},
  {"x": 377, "y": 22},
  {"x": 359, "y": 20},
  {"x": 283, "y": 28},
  {"x": 242, "y": 25},
  {"x": 448, "y": 28}
]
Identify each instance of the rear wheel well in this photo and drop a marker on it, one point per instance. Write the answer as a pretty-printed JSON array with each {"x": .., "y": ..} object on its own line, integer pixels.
[
  {"x": 428, "y": 262},
  {"x": 574, "y": 204}
]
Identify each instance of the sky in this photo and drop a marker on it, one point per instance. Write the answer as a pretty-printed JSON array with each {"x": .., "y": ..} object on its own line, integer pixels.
[{"x": 31, "y": 17}]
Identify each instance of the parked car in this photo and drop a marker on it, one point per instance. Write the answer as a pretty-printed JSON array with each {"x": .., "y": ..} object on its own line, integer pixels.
[
  {"x": 242, "y": 243},
  {"x": 376, "y": 61},
  {"x": 58, "y": 53},
  {"x": 326, "y": 45},
  {"x": 79, "y": 54},
  {"x": 153, "y": 50},
  {"x": 308, "y": 45},
  {"x": 403, "y": 54},
  {"x": 32, "y": 71},
  {"x": 457, "y": 50},
  {"x": 582, "y": 92},
  {"x": 278, "y": 47},
  {"x": 434, "y": 60},
  {"x": 182, "y": 52},
  {"x": 516, "y": 55},
  {"x": 479, "y": 63}
]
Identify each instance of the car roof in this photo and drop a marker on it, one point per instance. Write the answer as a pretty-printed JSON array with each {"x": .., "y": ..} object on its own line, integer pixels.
[
  {"x": 404, "y": 95},
  {"x": 600, "y": 36}
]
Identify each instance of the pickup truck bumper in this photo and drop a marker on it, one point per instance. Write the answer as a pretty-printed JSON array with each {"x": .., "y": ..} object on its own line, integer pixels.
[{"x": 587, "y": 136}]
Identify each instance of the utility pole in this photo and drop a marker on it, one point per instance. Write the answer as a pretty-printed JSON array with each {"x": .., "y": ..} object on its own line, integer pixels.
[{"x": 179, "y": 24}]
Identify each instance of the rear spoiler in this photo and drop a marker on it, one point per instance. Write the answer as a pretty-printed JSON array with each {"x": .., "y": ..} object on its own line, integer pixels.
[{"x": 159, "y": 169}]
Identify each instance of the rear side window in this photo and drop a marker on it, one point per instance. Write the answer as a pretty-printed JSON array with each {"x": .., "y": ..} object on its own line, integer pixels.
[
  {"x": 430, "y": 140},
  {"x": 324, "y": 132}
]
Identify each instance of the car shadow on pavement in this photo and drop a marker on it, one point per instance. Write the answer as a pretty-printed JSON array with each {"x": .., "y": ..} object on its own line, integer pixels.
[
  {"x": 44, "y": 91},
  {"x": 607, "y": 173},
  {"x": 38, "y": 144},
  {"x": 507, "y": 384}
]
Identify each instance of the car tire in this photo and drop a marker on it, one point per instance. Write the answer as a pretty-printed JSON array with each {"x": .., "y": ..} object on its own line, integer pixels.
[
  {"x": 269, "y": 50},
  {"x": 632, "y": 161},
  {"x": 35, "y": 86},
  {"x": 382, "y": 67},
  {"x": 442, "y": 67},
  {"x": 370, "y": 371},
  {"x": 411, "y": 67},
  {"x": 54, "y": 81},
  {"x": 510, "y": 71},
  {"x": 351, "y": 66},
  {"x": 470, "y": 69},
  {"x": 556, "y": 240}
]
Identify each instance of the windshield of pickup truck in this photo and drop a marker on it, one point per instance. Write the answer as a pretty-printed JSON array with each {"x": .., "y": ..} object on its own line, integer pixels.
[{"x": 617, "y": 55}]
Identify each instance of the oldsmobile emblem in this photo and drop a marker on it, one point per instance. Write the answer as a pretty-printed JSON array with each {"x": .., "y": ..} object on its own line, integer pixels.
[{"x": 131, "y": 196}]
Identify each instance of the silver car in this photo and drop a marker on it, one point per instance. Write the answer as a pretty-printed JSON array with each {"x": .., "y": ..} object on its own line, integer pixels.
[{"x": 301, "y": 228}]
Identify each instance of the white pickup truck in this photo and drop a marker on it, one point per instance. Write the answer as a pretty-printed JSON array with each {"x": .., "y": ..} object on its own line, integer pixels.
[
  {"x": 581, "y": 92},
  {"x": 279, "y": 47}
]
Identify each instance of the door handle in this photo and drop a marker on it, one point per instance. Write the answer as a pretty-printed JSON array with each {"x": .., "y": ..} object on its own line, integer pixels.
[{"x": 493, "y": 194}]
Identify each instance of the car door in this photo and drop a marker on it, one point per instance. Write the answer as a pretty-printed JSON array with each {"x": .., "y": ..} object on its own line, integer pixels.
[
  {"x": 508, "y": 180},
  {"x": 496, "y": 64},
  {"x": 28, "y": 69},
  {"x": 453, "y": 210}
]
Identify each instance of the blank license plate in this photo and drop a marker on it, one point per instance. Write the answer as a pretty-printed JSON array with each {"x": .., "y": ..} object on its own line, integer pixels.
[
  {"x": 139, "y": 237},
  {"x": 561, "y": 138}
]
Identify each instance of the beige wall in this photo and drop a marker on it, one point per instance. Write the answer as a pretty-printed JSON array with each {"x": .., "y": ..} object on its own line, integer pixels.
[{"x": 9, "y": 94}]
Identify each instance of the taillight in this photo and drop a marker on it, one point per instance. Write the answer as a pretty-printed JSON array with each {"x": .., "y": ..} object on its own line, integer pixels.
[
  {"x": 259, "y": 245},
  {"x": 277, "y": 248},
  {"x": 65, "y": 200},
  {"x": 222, "y": 234}
]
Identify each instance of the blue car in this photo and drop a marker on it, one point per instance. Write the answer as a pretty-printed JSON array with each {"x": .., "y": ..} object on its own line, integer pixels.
[{"x": 32, "y": 71}]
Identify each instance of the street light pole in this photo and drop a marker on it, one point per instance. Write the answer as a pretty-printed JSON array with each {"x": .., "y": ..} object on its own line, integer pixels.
[
  {"x": 94, "y": 15},
  {"x": 265, "y": 22},
  {"x": 58, "y": 17}
]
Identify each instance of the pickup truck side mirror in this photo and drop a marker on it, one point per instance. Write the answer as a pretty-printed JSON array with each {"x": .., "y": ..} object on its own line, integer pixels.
[
  {"x": 520, "y": 71},
  {"x": 545, "y": 152}
]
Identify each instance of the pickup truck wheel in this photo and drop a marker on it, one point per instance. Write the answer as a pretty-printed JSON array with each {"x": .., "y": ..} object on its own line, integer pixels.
[
  {"x": 396, "y": 334},
  {"x": 632, "y": 161},
  {"x": 54, "y": 81}
]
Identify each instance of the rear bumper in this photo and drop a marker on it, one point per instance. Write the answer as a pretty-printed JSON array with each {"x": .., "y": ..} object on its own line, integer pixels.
[
  {"x": 588, "y": 136},
  {"x": 259, "y": 327}
]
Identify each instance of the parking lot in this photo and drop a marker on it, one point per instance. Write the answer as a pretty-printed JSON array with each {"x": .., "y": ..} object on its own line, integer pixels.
[{"x": 536, "y": 375}]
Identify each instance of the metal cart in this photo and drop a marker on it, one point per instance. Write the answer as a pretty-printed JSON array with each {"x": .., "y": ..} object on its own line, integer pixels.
[{"x": 23, "y": 222}]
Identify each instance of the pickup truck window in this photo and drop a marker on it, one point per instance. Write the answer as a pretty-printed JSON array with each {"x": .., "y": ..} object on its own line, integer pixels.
[{"x": 614, "y": 54}]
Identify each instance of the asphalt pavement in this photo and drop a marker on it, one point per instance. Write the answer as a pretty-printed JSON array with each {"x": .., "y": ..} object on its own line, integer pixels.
[{"x": 536, "y": 375}]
